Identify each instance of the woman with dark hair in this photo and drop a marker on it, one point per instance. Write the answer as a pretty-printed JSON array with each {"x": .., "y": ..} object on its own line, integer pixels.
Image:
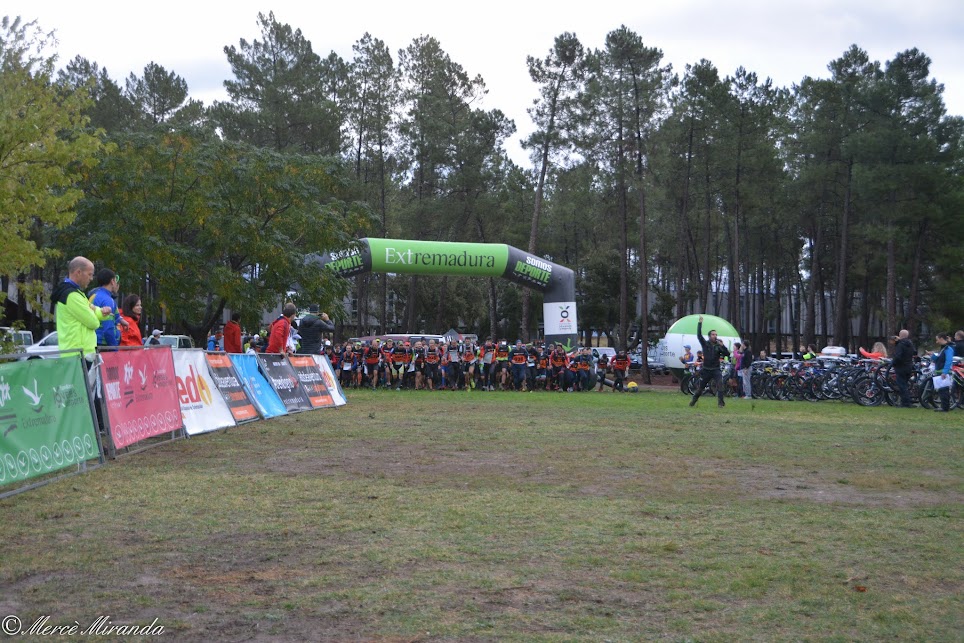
[
  {"x": 943, "y": 359},
  {"x": 131, "y": 313}
]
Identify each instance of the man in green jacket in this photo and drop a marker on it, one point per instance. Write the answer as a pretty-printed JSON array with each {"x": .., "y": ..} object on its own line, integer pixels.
[{"x": 77, "y": 318}]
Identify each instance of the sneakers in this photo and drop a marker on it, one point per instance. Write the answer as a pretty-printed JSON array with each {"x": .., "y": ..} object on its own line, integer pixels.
[
  {"x": 721, "y": 404},
  {"x": 940, "y": 410},
  {"x": 693, "y": 402}
]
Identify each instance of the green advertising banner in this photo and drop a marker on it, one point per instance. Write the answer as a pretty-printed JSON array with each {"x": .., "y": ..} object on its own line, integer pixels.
[
  {"x": 45, "y": 418},
  {"x": 435, "y": 258},
  {"x": 407, "y": 256}
]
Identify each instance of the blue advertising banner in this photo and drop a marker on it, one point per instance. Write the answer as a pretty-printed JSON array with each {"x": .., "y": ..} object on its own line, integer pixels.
[{"x": 264, "y": 397}]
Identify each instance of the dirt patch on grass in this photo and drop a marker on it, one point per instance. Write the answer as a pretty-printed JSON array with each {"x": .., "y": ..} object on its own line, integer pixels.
[
  {"x": 770, "y": 483},
  {"x": 593, "y": 475},
  {"x": 445, "y": 465}
]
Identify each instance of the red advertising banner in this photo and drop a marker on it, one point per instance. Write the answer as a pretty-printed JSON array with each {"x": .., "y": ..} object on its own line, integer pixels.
[
  {"x": 227, "y": 381},
  {"x": 310, "y": 377},
  {"x": 140, "y": 394}
]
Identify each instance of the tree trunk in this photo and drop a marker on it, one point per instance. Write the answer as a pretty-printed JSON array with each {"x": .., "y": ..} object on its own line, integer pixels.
[
  {"x": 841, "y": 307},
  {"x": 862, "y": 331},
  {"x": 892, "y": 321},
  {"x": 681, "y": 303},
  {"x": 913, "y": 317},
  {"x": 411, "y": 308},
  {"x": 440, "y": 308},
  {"x": 643, "y": 286},
  {"x": 762, "y": 338},
  {"x": 707, "y": 242}
]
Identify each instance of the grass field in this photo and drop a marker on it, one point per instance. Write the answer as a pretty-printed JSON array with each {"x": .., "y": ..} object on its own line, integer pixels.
[{"x": 419, "y": 516}]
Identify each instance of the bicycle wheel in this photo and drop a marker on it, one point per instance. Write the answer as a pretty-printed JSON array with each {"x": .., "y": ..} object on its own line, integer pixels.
[
  {"x": 684, "y": 383},
  {"x": 866, "y": 392},
  {"x": 928, "y": 396}
]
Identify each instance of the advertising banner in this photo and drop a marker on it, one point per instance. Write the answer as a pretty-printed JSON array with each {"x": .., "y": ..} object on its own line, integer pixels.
[
  {"x": 311, "y": 380},
  {"x": 559, "y": 318},
  {"x": 434, "y": 258},
  {"x": 259, "y": 391},
  {"x": 417, "y": 257},
  {"x": 284, "y": 381},
  {"x": 331, "y": 380},
  {"x": 228, "y": 382},
  {"x": 202, "y": 407},
  {"x": 45, "y": 419},
  {"x": 140, "y": 394}
]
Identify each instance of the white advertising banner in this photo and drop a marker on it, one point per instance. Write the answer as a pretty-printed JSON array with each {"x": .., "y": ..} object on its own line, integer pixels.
[
  {"x": 202, "y": 406},
  {"x": 328, "y": 373},
  {"x": 559, "y": 318}
]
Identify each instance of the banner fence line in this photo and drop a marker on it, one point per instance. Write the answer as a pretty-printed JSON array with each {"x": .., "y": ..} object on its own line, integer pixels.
[{"x": 307, "y": 388}]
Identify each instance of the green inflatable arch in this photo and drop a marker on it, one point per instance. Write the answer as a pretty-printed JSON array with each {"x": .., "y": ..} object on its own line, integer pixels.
[{"x": 557, "y": 283}]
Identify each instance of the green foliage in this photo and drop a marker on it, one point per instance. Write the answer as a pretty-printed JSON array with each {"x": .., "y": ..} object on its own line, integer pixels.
[
  {"x": 43, "y": 147},
  {"x": 158, "y": 93},
  {"x": 109, "y": 108},
  {"x": 216, "y": 224},
  {"x": 283, "y": 94}
]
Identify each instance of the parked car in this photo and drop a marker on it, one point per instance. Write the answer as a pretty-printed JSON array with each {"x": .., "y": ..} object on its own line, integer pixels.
[
  {"x": 174, "y": 341},
  {"x": 45, "y": 347},
  {"x": 19, "y": 338}
]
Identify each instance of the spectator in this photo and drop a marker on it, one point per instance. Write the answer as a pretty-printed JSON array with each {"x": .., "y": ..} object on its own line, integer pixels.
[
  {"x": 745, "y": 363},
  {"x": 130, "y": 329},
  {"x": 959, "y": 343},
  {"x": 943, "y": 379},
  {"x": 77, "y": 318},
  {"x": 281, "y": 330},
  {"x": 687, "y": 357},
  {"x": 232, "y": 334},
  {"x": 214, "y": 341},
  {"x": 155, "y": 339},
  {"x": 311, "y": 328},
  {"x": 103, "y": 296},
  {"x": 903, "y": 363}
]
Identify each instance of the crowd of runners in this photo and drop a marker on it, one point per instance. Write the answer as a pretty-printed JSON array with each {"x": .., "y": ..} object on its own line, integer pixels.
[{"x": 488, "y": 366}]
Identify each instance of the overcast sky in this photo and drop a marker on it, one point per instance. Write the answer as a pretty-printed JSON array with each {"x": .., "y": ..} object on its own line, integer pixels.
[{"x": 782, "y": 40}]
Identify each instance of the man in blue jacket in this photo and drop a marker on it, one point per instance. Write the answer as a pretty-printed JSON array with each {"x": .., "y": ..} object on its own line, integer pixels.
[{"x": 108, "y": 283}]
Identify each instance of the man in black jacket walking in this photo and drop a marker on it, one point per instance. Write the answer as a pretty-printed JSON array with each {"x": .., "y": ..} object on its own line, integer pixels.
[
  {"x": 713, "y": 351},
  {"x": 311, "y": 327},
  {"x": 903, "y": 363}
]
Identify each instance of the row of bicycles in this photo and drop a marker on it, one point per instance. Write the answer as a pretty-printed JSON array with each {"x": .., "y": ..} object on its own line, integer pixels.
[{"x": 867, "y": 382}]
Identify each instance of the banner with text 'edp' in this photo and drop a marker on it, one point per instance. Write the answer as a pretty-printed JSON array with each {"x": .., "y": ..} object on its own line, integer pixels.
[
  {"x": 140, "y": 394},
  {"x": 202, "y": 407},
  {"x": 45, "y": 419}
]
